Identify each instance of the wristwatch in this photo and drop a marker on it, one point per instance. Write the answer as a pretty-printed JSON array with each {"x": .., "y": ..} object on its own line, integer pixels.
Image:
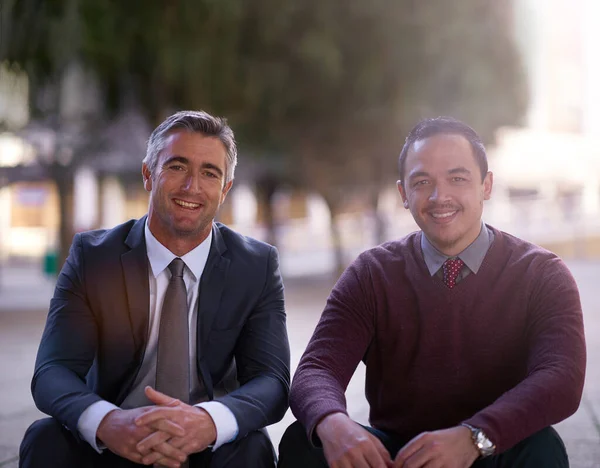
[{"x": 484, "y": 445}]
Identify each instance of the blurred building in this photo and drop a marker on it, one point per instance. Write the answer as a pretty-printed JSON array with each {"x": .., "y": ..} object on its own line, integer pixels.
[{"x": 549, "y": 170}]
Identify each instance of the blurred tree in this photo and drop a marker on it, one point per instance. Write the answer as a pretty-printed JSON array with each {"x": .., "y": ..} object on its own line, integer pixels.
[
  {"x": 320, "y": 92},
  {"x": 43, "y": 39},
  {"x": 337, "y": 84}
]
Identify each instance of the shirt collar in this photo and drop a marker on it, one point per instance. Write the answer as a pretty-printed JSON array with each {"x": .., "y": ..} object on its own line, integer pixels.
[
  {"x": 160, "y": 257},
  {"x": 473, "y": 255}
]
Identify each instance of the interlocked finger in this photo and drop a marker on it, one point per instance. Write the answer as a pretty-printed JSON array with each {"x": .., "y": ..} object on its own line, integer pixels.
[
  {"x": 165, "y": 452},
  {"x": 145, "y": 446}
]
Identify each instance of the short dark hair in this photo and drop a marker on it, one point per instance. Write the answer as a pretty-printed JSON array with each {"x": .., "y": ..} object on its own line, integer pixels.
[{"x": 448, "y": 126}]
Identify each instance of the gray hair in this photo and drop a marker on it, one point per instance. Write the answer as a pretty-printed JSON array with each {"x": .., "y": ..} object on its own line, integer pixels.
[{"x": 196, "y": 122}]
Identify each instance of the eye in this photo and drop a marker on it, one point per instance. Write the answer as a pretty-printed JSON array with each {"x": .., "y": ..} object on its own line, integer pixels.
[
  {"x": 176, "y": 167},
  {"x": 211, "y": 175},
  {"x": 420, "y": 182},
  {"x": 458, "y": 179}
]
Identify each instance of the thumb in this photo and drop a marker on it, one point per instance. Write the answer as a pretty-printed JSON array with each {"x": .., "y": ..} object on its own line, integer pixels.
[{"x": 159, "y": 398}]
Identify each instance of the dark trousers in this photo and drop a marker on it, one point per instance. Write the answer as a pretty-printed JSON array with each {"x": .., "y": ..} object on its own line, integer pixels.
[
  {"x": 545, "y": 449},
  {"x": 47, "y": 444}
]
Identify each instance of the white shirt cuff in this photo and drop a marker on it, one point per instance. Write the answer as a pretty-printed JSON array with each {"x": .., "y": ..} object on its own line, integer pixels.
[
  {"x": 225, "y": 422},
  {"x": 90, "y": 419}
]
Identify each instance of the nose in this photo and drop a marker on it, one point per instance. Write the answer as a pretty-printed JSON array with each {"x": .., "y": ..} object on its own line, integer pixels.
[
  {"x": 439, "y": 193},
  {"x": 192, "y": 183}
]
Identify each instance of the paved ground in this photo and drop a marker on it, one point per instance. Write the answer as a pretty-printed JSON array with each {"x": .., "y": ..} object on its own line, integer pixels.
[{"x": 24, "y": 296}]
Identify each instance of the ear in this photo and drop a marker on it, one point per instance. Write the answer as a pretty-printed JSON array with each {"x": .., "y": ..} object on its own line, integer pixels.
[
  {"x": 226, "y": 190},
  {"x": 488, "y": 183},
  {"x": 402, "y": 193},
  {"x": 147, "y": 177}
]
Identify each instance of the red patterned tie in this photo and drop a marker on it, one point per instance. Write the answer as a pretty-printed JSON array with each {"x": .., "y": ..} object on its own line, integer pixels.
[{"x": 451, "y": 269}]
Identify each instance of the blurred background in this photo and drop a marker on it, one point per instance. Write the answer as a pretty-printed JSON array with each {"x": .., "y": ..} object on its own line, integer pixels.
[{"x": 321, "y": 95}]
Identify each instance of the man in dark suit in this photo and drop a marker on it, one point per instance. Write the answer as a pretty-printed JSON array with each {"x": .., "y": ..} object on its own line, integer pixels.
[{"x": 165, "y": 341}]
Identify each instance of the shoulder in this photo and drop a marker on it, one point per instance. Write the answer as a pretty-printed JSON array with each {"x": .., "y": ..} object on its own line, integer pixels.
[
  {"x": 393, "y": 251},
  {"x": 389, "y": 257},
  {"x": 244, "y": 246},
  {"x": 251, "y": 262},
  {"x": 519, "y": 248},
  {"x": 533, "y": 259},
  {"x": 110, "y": 238}
]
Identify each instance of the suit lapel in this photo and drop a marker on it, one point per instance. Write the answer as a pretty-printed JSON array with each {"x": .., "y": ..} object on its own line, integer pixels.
[
  {"x": 212, "y": 284},
  {"x": 135, "y": 271}
]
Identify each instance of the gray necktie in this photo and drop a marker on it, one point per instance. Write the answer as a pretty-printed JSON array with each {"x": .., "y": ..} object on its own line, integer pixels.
[{"x": 173, "y": 356}]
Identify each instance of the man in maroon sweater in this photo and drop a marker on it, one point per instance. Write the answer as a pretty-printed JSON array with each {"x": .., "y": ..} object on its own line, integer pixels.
[{"x": 472, "y": 339}]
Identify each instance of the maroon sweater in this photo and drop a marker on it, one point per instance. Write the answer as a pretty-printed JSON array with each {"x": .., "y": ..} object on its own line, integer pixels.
[{"x": 503, "y": 351}]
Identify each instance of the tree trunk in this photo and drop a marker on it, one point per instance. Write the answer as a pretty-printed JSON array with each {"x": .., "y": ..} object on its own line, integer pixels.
[
  {"x": 64, "y": 185},
  {"x": 265, "y": 190},
  {"x": 336, "y": 237},
  {"x": 378, "y": 218}
]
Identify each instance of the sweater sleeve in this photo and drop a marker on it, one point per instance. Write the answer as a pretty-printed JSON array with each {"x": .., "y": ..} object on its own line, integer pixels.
[
  {"x": 338, "y": 344},
  {"x": 556, "y": 359}
]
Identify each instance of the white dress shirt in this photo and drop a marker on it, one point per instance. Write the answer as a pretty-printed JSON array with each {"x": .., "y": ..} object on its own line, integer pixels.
[{"x": 159, "y": 258}]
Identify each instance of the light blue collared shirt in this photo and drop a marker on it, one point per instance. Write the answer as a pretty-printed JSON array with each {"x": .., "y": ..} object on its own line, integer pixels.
[{"x": 472, "y": 256}]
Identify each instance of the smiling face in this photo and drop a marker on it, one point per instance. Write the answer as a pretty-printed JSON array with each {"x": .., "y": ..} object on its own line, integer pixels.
[
  {"x": 186, "y": 189},
  {"x": 444, "y": 191}
]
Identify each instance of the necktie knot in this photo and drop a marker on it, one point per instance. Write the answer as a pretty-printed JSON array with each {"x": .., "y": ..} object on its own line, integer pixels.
[
  {"x": 451, "y": 269},
  {"x": 176, "y": 267}
]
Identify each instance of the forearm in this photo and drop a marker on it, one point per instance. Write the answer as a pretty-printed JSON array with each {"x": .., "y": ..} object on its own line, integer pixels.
[
  {"x": 314, "y": 395},
  {"x": 258, "y": 403},
  {"x": 544, "y": 398},
  {"x": 337, "y": 346},
  {"x": 68, "y": 347},
  {"x": 551, "y": 390},
  {"x": 60, "y": 393},
  {"x": 556, "y": 358}
]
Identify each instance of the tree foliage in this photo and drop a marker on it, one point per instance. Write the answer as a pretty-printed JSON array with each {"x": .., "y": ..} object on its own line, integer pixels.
[{"x": 321, "y": 92}]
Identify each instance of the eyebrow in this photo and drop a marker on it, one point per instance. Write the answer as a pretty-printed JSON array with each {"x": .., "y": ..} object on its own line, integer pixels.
[
  {"x": 217, "y": 169},
  {"x": 453, "y": 171},
  {"x": 459, "y": 170},
  {"x": 176, "y": 158},
  {"x": 184, "y": 160},
  {"x": 414, "y": 175}
]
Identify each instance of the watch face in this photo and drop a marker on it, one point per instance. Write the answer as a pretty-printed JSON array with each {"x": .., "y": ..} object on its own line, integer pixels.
[{"x": 485, "y": 445}]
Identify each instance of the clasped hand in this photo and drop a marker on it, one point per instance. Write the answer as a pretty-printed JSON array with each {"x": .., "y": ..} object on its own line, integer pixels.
[
  {"x": 346, "y": 444},
  {"x": 165, "y": 434}
]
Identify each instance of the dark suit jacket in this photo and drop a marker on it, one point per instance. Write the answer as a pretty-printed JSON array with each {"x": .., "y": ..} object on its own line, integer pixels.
[{"x": 97, "y": 326}]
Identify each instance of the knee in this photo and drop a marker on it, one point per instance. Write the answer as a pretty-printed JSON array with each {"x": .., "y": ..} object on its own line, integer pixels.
[
  {"x": 259, "y": 440},
  {"x": 255, "y": 449},
  {"x": 39, "y": 434},
  {"x": 294, "y": 436},
  {"x": 544, "y": 448},
  {"x": 546, "y": 440},
  {"x": 46, "y": 443},
  {"x": 294, "y": 445}
]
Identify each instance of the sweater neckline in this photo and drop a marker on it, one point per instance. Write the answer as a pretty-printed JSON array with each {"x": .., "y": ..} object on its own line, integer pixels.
[{"x": 464, "y": 284}]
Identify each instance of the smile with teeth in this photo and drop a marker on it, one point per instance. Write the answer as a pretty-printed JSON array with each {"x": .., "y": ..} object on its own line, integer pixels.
[
  {"x": 443, "y": 215},
  {"x": 186, "y": 204}
]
